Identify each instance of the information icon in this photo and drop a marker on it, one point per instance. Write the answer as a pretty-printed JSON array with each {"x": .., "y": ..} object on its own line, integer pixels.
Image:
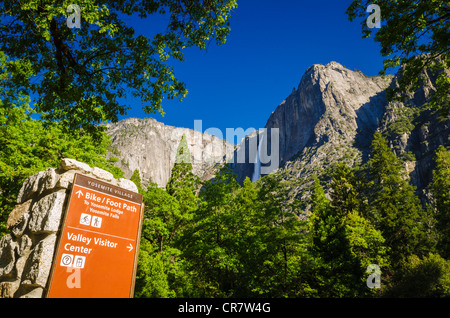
[{"x": 66, "y": 260}]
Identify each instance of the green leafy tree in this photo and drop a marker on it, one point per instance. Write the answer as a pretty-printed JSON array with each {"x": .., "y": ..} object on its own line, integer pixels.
[
  {"x": 209, "y": 245},
  {"x": 367, "y": 246},
  {"x": 414, "y": 35},
  {"x": 440, "y": 187},
  {"x": 395, "y": 208},
  {"x": 27, "y": 147},
  {"x": 248, "y": 242},
  {"x": 329, "y": 246},
  {"x": 167, "y": 213},
  {"x": 182, "y": 178},
  {"x": 344, "y": 195},
  {"x": 136, "y": 178},
  {"x": 151, "y": 276},
  {"x": 161, "y": 270},
  {"x": 281, "y": 262},
  {"x": 423, "y": 277},
  {"x": 343, "y": 241},
  {"x": 85, "y": 76}
]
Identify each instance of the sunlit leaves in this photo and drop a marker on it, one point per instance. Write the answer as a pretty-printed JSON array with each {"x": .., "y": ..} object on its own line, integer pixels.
[
  {"x": 415, "y": 36},
  {"x": 83, "y": 77}
]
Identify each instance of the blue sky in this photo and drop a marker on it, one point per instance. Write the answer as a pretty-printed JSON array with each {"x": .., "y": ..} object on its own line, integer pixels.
[{"x": 271, "y": 44}]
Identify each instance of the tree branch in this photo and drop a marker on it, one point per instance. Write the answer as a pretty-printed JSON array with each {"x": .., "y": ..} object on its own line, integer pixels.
[
  {"x": 62, "y": 49},
  {"x": 438, "y": 19},
  {"x": 98, "y": 55}
]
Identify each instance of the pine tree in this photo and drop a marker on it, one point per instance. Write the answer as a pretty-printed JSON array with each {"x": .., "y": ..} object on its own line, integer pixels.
[
  {"x": 167, "y": 214},
  {"x": 182, "y": 176},
  {"x": 319, "y": 202},
  {"x": 343, "y": 242},
  {"x": 329, "y": 245},
  {"x": 136, "y": 178},
  {"x": 343, "y": 194},
  {"x": 396, "y": 209},
  {"x": 441, "y": 192},
  {"x": 209, "y": 244},
  {"x": 282, "y": 242},
  {"x": 161, "y": 270}
]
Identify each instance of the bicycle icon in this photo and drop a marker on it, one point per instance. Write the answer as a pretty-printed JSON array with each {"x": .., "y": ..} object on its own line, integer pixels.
[{"x": 85, "y": 219}]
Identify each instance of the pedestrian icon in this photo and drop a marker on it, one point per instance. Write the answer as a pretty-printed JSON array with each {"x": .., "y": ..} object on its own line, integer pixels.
[
  {"x": 96, "y": 221},
  {"x": 85, "y": 219}
]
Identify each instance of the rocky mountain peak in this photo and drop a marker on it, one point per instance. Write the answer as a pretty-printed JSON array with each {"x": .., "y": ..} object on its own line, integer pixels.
[
  {"x": 151, "y": 147},
  {"x": 330, "y": 104},
  {"x": 331, "y": 117},
  {"x": 334, "y": 113}
]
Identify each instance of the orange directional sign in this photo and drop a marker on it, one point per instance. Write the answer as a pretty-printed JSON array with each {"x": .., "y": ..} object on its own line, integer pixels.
[{"x": 97, "y": 250}]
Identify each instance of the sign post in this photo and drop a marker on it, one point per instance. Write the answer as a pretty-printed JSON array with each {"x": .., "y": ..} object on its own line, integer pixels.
[{"x": 98, "y": 247}]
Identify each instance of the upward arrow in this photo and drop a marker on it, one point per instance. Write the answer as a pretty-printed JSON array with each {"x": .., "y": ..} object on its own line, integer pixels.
[{"x": 79, "y": 193}]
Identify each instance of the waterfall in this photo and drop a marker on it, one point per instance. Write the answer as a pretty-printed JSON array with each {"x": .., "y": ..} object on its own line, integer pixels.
[{"x": 257, "y": 167}]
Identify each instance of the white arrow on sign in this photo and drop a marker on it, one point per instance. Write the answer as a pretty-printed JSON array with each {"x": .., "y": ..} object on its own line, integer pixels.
[
  {"x": 130, "y": 247},
  {"x": 79, "y": 193}
]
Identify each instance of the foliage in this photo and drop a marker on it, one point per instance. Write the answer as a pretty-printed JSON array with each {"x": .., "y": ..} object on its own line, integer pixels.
[
  {"x": 441, "y": 192},
  {"x": 254, "y": 240},
  {"x": 85, "y": 76},
  {"x": 136, "y": 178},
  {"x": 208, "y": 244},
  {"x": 247, "y": 241},
  {"x": 27, "y": 147},
  {"x": 394, "y": 207},
  {"x": 224, "y": 239},
  {"x": 414, "y": 35},
  {"x": 403, "y": 123},
  {"x": 151, "y": 277},
  {"x": 426, "y": 277},
  {"x": 164, "y": 220},
  {"x": 161, "y": 271},
  {"x": 281, "y": 264},
  {"x": 343, "y": 241},
  {"x": 182, "y": 177}
]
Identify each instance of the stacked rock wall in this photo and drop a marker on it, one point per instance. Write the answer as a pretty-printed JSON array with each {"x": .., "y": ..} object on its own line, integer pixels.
[{"x": 26, "y": 253}]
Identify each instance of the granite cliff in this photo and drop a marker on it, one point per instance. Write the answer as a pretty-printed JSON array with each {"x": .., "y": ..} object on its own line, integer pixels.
[
  {"x": 331, "y": 116},
  {"x": 415, "y": 131},
  {"x": 150, "y": 147}
]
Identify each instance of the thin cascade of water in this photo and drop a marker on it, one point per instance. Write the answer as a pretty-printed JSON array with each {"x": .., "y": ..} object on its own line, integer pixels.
[{"x": 257, "y": 167}]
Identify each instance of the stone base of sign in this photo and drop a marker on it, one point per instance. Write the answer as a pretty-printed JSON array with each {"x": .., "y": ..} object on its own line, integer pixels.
[{"x": 26, "y": 253}]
